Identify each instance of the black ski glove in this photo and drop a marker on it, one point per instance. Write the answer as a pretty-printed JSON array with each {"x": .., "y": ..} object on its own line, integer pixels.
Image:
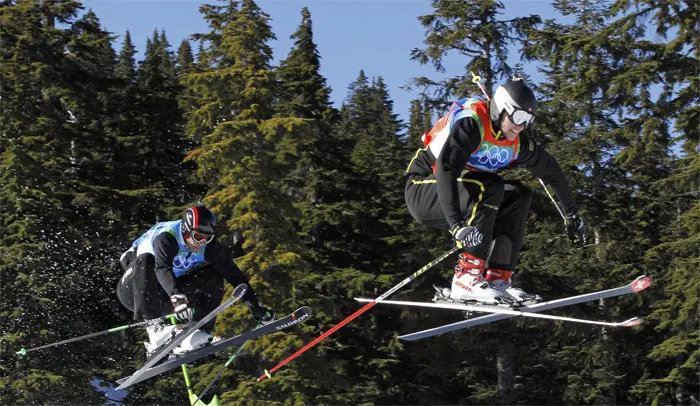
[
  {"x": 466, "y": 236},
  {"x": 262, "y": 314},
  {"x": 576, "y": 229},
  {"x": 183, "y": 311}
]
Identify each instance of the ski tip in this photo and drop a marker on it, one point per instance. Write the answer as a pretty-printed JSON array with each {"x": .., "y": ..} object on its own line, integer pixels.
[
  {"x": 363, "y": 300},
  {"x": 121, "y": 382},
  {"x": 306, "y": 309},
  {"x": 22, "y": 352},
  {"x": 240, "y": 290},
  {"x": 634, "y": 321},
  {"x": 302, "y": 312},
  {"x": 641, "y": 283}
]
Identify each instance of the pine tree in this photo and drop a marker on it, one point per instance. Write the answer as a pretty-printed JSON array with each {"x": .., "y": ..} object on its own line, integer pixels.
[
  {"x": 234, "y": 119},
  {"x": 55, "y": 169},
  {"x": 313, "y": 178},
  {"x": 374, "y": 223},
  {"x": 160, "y": 143},
  {"x": 185, "y": 65},
  {"x": 128, "y": 131},
  {"x": 665, "y": 101},
  {"x": 420, "y": 122},
  {"x": 473, "y": 30},
  {"x": 601, "y": 85}
]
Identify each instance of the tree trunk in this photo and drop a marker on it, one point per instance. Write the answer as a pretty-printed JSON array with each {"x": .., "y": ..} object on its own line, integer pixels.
[{"x": 506, "y": 372}]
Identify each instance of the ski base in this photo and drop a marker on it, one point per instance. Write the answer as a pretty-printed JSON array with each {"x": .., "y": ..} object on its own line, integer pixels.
[
  {"x": 635, "y": 286},
  {"x": 299, "y": 316}
]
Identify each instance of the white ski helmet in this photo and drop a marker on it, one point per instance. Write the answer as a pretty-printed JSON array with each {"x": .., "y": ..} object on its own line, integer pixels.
[{"x": 517, "y": 100}]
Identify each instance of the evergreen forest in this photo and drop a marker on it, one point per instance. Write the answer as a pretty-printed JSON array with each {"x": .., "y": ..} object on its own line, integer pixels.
[{"x": 97, "y": 146}]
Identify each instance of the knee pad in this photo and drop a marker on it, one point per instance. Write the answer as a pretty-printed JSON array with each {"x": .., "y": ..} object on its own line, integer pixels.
[
  {"x": 127, "y": 259},
  {"x": 125, "y": 290}
]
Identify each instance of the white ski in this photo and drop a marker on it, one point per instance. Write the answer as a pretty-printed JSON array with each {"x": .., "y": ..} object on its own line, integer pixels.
[
  {"x": 637, "y": 285},
  {"x": 298, "y": 316},
  {"x": 505, "y": 310},
  {"x": 163, "y": 351}
]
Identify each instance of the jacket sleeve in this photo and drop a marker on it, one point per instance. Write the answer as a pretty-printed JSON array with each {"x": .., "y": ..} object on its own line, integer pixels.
[
  {"x": 464, "y": 137},
  {"x": 219, "y": 256},
  {"x": 545, "y": 167},
  {"x": 165, "y": 249}
]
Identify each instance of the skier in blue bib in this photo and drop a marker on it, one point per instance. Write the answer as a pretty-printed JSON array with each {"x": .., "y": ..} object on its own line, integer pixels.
[
  {"x": 453, "y": 185},
  {"x": 179, "y": 267}
]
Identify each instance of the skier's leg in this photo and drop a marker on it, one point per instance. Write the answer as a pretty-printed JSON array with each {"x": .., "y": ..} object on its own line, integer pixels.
[
  {"x": 204, "y": 287},
  {"x": 509, "y": 232},
  {"x": 125, "y": 290},
  {"x": 480, "y": 195},
  {"x": 150, "y": 300},
  {"x": 127, "y": 258}
]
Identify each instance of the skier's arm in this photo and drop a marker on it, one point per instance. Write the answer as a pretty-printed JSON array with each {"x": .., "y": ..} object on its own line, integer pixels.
[
  {"x": 219, "y": 256},
  {"x": 545, "y": 167},
  {"x": 165, "y": 249},
  {"x": 464, "y": 137}
]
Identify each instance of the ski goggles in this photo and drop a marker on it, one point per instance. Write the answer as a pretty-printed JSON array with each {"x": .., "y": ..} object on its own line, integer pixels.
[
  {"x": 521, "y": 117},
  {"x": 201, "y": 237}
]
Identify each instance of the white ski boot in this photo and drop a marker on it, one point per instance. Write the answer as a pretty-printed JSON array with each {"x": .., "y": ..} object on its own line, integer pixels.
[
  {"x": 159, "y": 334},
  {"x": 501, "y": 280},
  {"x": 468, "y": 283},
  {"x": 196, "y": 340}
]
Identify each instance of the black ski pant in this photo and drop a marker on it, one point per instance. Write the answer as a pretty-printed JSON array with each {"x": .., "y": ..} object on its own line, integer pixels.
[
  {"x": 139, "y": 290},
  {"x": 498, "y": 208}
]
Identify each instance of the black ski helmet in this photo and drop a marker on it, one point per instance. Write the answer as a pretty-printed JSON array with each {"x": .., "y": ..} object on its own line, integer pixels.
[
  {"x": 198, "y": 218},
  {"x": 510, "y": 96}
]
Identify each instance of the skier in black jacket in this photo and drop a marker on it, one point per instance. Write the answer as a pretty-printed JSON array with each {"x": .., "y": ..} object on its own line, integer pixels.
[
  {"x": 179, "y": 267},
  {"x": 453, "y": 185}
]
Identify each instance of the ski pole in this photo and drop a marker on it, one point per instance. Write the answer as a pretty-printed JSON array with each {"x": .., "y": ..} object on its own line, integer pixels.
[
  {"x": 552, "y": 199},
  {"x": 268, "y": 374},
  {"x": 477, "y": 79},
  {"x": 24, "y": 351},
  {"x": 194, "y": 400},
  {"x": 221, "y": 371}
]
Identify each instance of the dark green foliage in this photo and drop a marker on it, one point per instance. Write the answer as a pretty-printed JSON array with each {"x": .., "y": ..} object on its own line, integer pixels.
[
  {"x": 57, "y": 276},
  {"x": 420, "y": 122},
  {"x": 604, "y": 84},
  {"x": 311, "y": 199},
  {"x": 473, "y": 30}
]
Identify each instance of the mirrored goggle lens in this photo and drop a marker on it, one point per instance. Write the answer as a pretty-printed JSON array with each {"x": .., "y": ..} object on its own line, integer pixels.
[
  {"x": 200, "y": 237},
  {"x": 522, "y": 117}
]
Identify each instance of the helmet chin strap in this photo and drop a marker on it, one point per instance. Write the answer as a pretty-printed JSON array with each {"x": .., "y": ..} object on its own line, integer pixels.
[{"x": 497, "y": 126}]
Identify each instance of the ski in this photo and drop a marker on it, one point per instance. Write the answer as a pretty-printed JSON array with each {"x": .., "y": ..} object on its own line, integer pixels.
[
  {"x": 505, "y": 310},
  {"x": 635, "y": 286},
  {"x": 238, "y": 293},
  {"x": 299, "y": 316}
]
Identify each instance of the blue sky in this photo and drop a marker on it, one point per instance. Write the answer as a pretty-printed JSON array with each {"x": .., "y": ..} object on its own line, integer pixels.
[{"x": 376, "y": 36}]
